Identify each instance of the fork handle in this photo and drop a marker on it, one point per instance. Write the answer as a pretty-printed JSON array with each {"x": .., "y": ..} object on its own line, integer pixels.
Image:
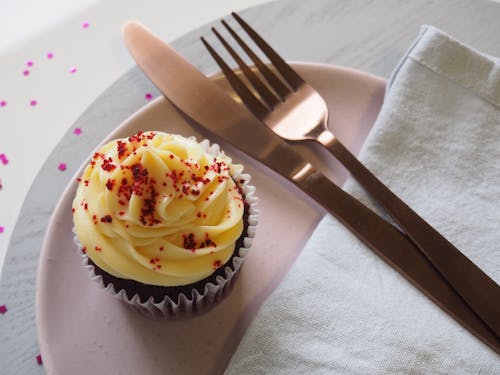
[{"x": 478, "y": 290}]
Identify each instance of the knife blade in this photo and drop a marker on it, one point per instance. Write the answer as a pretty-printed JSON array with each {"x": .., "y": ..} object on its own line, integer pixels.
[{"x": 211, "y": 108}]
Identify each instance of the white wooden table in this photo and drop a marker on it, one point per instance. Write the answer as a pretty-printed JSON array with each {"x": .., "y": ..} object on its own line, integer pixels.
[{"x": 360, "y": 34}]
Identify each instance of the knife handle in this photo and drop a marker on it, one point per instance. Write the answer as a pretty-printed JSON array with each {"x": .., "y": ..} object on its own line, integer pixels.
[
  {"x": 478, "y": 290},
  {"x": 393, "y": 247}
]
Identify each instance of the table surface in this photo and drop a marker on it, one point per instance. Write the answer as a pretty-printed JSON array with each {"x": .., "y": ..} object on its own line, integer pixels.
[
  {"x": 86, "y": 35},
  {"x": 89, "y": 55}
]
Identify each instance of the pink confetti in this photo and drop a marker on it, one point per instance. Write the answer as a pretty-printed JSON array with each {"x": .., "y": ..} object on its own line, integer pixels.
[
  {"x": 50, "y": 55},
  {"x": 148, "y": 96},
  {"x": 3, "y": 103},
  {"x": 39, "y": 359},
  {"x": 77, "y": 131},
  {"x": 33, "y": 103},
  {"x": 3, "y": 309},
  {"x": 2, "y": 229},
  {"x": 29, "y": 63},
  {"x": 3, "y": 159},
  {"x": 86, "y": 25},
  {"x": 72, "y": 70},
  {"x": 26, "y": 72},
  {"x": 1, "y": 186},
  {"x": 62, "y": 167}
]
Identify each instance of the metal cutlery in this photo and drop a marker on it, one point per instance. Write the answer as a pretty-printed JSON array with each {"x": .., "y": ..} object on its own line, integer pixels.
[
  {"x": 296, "y": 112},
  {"x": 210, "y": 108}
]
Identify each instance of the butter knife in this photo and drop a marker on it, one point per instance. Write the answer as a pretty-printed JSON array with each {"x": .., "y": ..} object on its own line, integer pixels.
[{"x": 212, "y": 109}]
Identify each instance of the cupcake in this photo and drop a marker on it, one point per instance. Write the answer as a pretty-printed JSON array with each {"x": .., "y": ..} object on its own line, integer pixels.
[{"x": 163, "y": 222}]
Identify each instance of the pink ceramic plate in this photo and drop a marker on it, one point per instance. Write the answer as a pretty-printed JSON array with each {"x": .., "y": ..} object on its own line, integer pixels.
[{"x": 83, "y": 330}]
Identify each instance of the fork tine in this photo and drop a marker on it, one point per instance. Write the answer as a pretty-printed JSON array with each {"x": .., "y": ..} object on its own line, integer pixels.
[
  {"x": 253, "y": 104},
  {"x": 282, "y": 90},
  {"x": 266, "y": 95},
  {"x": 286, "y": 71}
]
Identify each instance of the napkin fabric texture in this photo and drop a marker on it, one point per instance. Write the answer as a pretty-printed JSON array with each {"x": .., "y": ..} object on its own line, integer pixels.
[{"x": 341, "y": 309}]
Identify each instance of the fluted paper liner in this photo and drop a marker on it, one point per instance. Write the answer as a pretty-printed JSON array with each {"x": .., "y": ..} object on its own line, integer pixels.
[{"x": 195, "y": 303}]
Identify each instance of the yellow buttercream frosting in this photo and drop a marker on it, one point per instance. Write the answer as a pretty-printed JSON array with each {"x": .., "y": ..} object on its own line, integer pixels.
[{"x": 159, "y": 209}]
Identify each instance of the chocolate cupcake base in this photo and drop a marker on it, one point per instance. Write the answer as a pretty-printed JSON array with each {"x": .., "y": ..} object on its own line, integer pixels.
[{"x": 146, "y": 292}]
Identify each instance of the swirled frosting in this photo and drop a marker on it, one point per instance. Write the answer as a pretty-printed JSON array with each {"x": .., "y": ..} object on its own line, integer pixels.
[{"x": 158, "y": 209}]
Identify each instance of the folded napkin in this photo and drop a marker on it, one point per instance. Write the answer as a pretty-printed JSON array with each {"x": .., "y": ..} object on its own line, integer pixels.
[{"x": 341, "y": 309}]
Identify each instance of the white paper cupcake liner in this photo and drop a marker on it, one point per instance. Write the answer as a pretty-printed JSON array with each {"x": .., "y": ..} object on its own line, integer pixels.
[{"x": 196, "y": 303}]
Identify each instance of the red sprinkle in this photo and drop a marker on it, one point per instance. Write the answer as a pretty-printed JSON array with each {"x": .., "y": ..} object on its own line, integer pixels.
[
  {"x": 106, "y": 219},
  {"x": 189, "y": 242},
  {"x": 39, "y": 360},
  {"x": 217, "y": 264},
  {"x": 148, "y": 96},
  {"x": 109, "y": 184},
  {"x": 3, "y": 309},
  {"x": 122, "y": 149},
  {"x": 208, "y": 241},
  {"x": 97, "y": 248},
  {"x": 136, "y": 138},
  {"x": 107, "y": 165}
]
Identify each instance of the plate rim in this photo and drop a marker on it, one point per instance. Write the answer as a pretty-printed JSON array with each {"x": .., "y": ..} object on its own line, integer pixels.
[{"x": 41, "y": 307}]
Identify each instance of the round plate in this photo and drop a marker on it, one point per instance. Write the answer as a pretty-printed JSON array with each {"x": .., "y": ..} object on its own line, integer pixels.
[{"x": 84, "y": 330}]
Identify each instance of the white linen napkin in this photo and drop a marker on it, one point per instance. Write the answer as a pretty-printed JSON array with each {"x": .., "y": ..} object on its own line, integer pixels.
[{"x": 341, "y": 309}]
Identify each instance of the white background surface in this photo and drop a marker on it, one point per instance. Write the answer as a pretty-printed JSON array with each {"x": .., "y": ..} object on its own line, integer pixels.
[{"x": 30, "y": 29}]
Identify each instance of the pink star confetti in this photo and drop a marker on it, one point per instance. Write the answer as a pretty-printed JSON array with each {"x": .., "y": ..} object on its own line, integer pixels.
[
  {"x": 62, "y": 167},
  {"x": 50, "y": 55},
  {"x": 86, "y": 25},
  {"x": 2, "y": 229},
  {"x": 148, "y": 96},
  {"x": 39, "y": 359},
  {"x": 29, "y": 63},
  {"x": 3, "y": 103},
  {"x": 3, "y": 159},
  {"x": 33, "y": 103},
  {"x": 72, "y": 70},
  {"x": 77, "y": 131},
  {"x": 26, "y": 72},
  {"x": 3, "y": 309}
]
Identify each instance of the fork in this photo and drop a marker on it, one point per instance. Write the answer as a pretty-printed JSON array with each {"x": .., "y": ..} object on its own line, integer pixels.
[{"x": 295, "y": 111}]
